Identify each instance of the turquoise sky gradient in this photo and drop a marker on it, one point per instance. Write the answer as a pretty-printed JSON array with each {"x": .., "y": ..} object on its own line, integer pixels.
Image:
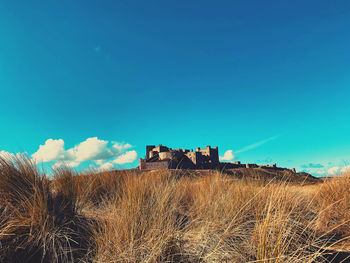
[{"x": 269, "y": 80}]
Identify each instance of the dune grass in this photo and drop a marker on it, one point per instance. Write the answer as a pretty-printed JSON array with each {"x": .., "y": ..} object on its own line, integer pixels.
[
  {"x": 159, "y": 216},
  {"x": 38, "y": 224},
  {"x": 333, "y": 204}
]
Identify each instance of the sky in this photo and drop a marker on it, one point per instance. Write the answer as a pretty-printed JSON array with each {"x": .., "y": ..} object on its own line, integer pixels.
[{"x": 91, "y": 83}]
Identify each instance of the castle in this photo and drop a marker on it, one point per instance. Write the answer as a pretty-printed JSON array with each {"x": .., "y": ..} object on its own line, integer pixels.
[{"x": 162, "y": 157}]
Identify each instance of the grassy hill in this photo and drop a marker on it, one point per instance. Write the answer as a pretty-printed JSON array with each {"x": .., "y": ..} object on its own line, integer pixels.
[
  {"x": 252, "y": 173},
  {"x": 248, "y": 215}
]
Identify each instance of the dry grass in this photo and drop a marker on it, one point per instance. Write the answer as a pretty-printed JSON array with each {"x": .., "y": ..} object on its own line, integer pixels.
[
  {"x": 333, "y": 202},
  {"x": 38, "y": 224},
  {"x": 142, "y": 223},
  {"x": 157, "y": 218},
  {"x": 160, "y": 217}
]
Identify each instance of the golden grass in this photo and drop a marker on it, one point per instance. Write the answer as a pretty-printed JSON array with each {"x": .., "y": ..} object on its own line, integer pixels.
[
  {"x": 333, "y": 202},
  {"x": 159, "y": 216},
  {"x": 38, "y": 224}
]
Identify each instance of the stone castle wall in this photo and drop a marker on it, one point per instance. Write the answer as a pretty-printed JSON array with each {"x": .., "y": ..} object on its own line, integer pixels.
[{"x": 160, "y": 165}]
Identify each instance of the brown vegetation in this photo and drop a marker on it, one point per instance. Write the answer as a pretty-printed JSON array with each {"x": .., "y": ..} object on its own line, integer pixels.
[{"x": 160, "y": 216}]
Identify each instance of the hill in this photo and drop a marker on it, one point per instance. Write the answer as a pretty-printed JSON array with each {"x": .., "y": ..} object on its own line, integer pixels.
[
  {"x": 171, "y": 216},
  {"x": 237, "y": 173}
]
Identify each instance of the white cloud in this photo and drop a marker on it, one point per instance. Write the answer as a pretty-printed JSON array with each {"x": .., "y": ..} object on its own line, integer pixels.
[
  {"x": 121, "y": 146},
  {"x": 338, "y": 170},
  {"x": 345, "y": 169},
  {"x": 97, "y": 150},
  {"x": 106, "y": 167},
  {"x": 92, "y": 149},
  {"x": 334, "y": 170},
  {"x": 127, "y": 157},
  {"x": 52, "y": 150},
  {"x": 228, "y": 156},
  {"x": 65, "y": 164}
]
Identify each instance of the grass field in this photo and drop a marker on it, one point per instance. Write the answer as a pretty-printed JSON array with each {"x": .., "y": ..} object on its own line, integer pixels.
[{"x": 170, "y": 216}]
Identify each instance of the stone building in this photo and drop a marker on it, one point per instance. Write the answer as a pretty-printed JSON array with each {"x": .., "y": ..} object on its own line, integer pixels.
[{"x": 162, "y": 157}]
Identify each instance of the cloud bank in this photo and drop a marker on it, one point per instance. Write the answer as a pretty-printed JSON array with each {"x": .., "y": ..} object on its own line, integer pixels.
[
  {"x": 92, "y": 149},
  {"x": 336, "y": 170},
  {"x": 127, "y": 157}
]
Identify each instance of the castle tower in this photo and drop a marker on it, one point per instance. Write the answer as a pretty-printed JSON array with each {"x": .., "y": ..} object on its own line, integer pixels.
[
  {"x": 214, "y": 155},
  {"x": 148, "y": 149}
]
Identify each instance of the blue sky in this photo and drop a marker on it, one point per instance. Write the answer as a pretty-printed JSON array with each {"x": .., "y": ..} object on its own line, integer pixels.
[{"x": 269, "y": 80}]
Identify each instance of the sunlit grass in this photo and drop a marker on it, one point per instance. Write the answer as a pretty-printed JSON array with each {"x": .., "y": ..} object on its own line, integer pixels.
[{"x": 164, "y": 216}]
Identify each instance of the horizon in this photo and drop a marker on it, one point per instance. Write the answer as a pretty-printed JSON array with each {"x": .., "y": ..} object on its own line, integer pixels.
[{"x": 91, "y": 84}]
